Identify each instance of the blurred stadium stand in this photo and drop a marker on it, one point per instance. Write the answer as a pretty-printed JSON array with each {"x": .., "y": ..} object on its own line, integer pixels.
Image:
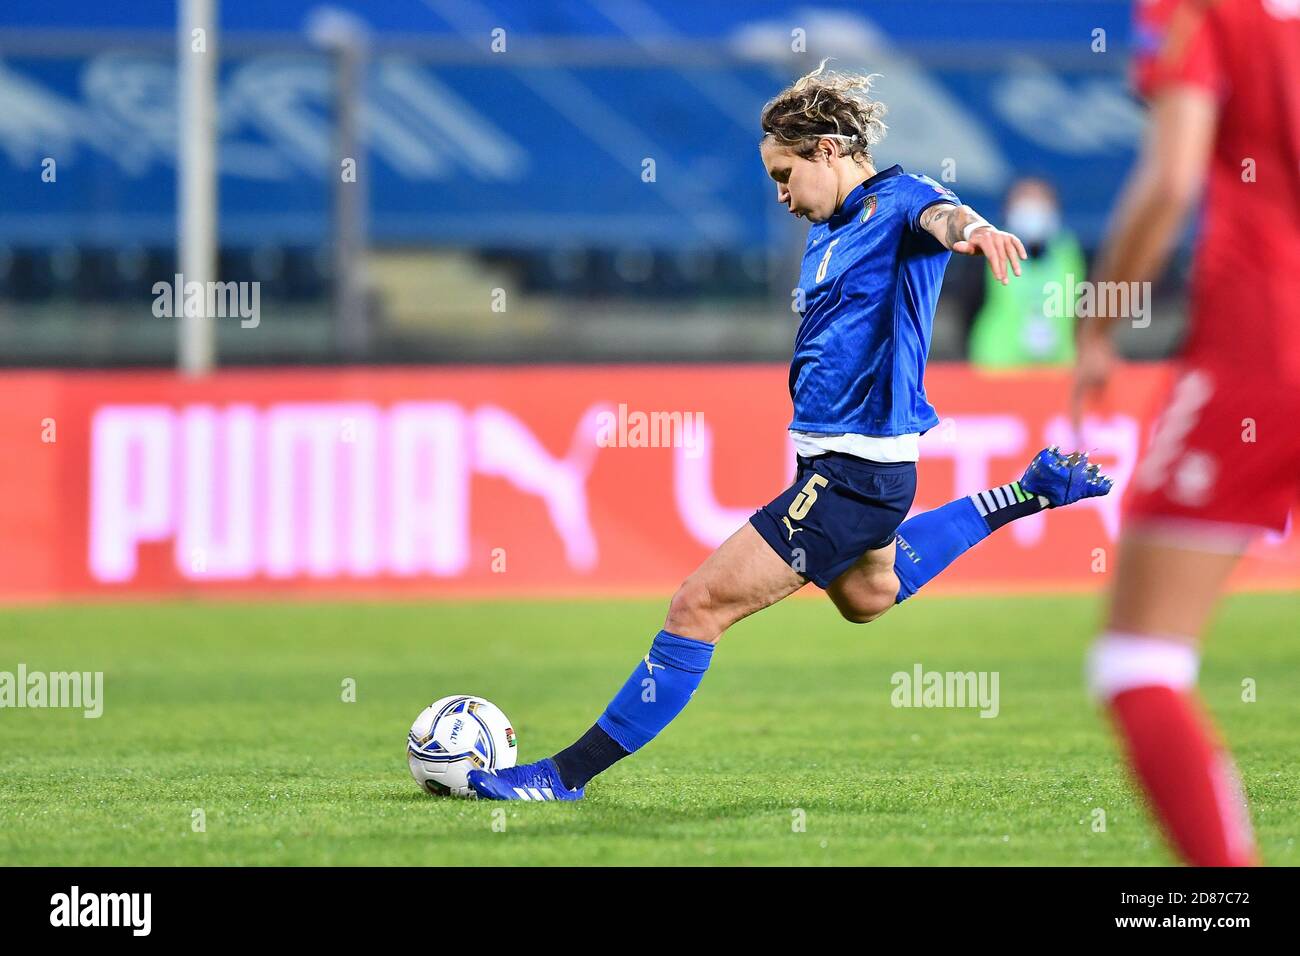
[{"x": 509, "y": 213}]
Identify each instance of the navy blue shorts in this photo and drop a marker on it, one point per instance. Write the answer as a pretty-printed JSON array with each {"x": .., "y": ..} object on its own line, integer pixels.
[{"x": 838, "y": 508}]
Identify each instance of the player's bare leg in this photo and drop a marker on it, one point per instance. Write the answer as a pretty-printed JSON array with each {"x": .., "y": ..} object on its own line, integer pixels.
[
  {"x": 745, "y": 575},
  {"x": 1144, "y": 668},
  {"x": 1167, "y": 583},
  {"x": 742, "y": 576},
  {"x": 929, "y": 542},
  {"x": 869, "y": 588}
]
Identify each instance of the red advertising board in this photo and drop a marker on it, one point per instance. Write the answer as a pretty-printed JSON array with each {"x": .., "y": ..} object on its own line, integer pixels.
[{"x": 493, "y": 480}]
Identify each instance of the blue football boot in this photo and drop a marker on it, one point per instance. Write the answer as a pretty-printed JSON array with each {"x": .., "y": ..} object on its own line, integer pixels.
[
  {"x": 1063, "y": 479},
  {"x": 530, "y": 781}
]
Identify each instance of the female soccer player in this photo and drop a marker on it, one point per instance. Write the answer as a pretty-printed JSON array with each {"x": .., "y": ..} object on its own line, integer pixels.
[
  {"x": 870, "y": 280},
  {"x": 1223, "y": 84}
]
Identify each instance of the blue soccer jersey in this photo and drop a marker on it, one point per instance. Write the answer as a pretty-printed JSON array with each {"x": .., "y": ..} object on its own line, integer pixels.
[{"x": 870, "y": 280}]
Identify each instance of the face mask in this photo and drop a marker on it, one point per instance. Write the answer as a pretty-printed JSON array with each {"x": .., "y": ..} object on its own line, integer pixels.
[{"x": 1033, "y": 221}]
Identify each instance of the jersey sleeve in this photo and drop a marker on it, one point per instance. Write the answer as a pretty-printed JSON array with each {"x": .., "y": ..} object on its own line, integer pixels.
[
  {"x": 923, "y": 192},
  {"x": 1177, "y": 44}
]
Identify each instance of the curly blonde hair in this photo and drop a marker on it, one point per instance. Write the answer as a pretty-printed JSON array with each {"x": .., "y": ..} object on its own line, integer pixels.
[{"x": 826, "y": 103}]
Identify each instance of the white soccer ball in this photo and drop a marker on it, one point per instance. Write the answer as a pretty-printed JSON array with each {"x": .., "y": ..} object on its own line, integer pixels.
[{"x": 455, "y": 735}]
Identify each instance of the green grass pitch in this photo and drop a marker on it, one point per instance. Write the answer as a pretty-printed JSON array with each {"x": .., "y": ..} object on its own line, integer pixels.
[{"x": 790, "y": 753}]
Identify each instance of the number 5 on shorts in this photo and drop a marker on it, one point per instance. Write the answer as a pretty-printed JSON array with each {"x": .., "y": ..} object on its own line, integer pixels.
[{"x": 804, "y": 501}]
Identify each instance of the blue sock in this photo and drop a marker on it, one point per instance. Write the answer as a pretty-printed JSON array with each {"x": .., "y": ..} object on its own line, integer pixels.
[
  {"x": 932, "y": 540},
  {"x": 660, "y": 686}
]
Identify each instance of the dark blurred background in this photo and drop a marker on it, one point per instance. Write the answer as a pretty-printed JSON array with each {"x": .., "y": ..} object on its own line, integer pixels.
[{"x": 565, "y": 181}]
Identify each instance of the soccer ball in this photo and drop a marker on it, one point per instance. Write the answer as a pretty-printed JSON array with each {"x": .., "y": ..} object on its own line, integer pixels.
[{"x": 455, "y": 735}]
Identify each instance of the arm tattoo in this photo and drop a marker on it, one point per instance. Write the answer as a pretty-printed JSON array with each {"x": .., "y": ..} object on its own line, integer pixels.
[{"x": 946, "y": 222}]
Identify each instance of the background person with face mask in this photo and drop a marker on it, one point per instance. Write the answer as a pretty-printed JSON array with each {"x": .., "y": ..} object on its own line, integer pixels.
[{"x": 1017, "y": 324}]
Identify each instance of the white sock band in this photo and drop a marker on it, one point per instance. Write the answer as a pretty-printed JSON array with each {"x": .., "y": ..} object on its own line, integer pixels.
[{"x": 1119, "y": 662}]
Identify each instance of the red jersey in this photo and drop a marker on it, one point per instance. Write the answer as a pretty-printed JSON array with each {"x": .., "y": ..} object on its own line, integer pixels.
[{"x": 1245, "y": 294}]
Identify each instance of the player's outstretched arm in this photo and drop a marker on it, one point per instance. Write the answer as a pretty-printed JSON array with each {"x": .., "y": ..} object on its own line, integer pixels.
[
  {"x": 966, "y": 232},
  {"x": 1152, "y": 211}
]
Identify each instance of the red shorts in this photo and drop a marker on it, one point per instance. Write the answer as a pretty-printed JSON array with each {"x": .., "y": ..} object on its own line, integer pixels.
[{"x": 1226, "y": 449}]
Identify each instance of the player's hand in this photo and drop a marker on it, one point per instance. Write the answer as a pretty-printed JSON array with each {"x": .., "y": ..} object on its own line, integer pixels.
[
  {"x": 998, "y": 246},
  {"x": 1093, "y": 366}
]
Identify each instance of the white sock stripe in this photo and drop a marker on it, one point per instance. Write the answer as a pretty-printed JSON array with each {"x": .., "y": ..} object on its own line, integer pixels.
[
  {"x": 995, "y": 499},
  {"x": 1120, "y": 662},
  {"x": 523, "y": 794}
]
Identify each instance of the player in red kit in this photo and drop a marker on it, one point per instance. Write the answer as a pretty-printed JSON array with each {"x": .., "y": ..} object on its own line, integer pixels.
[{"x": 1222, "y": 80}]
